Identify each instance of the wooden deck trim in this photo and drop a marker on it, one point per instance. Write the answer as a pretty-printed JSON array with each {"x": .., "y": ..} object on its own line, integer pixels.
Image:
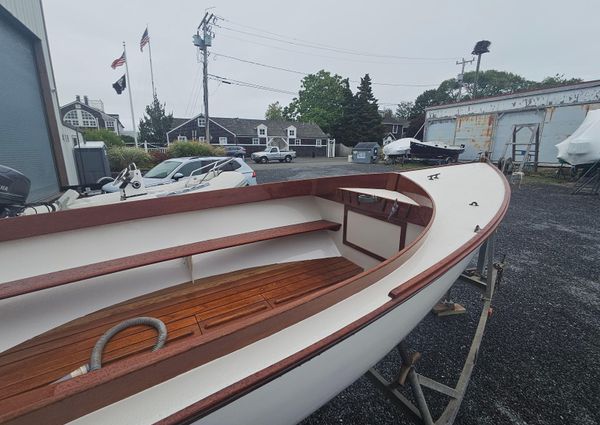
[
  {"x": 63, "y": 277},
  {"x": 60, "y": 221}
]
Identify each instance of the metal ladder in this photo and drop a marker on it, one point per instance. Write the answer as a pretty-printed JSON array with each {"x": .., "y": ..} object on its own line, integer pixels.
[{"x": 512, "y": 143}]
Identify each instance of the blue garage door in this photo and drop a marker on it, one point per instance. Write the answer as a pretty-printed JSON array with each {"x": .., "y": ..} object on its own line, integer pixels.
[{"x": 25, "y": 143}]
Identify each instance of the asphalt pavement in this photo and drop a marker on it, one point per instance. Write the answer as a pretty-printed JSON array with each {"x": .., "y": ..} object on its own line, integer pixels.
[{"x": 539, "y": 362}]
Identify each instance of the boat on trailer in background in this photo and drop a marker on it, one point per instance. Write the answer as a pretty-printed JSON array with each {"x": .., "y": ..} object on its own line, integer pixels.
[
  {"x": 268, "y": 300},
  {"x": 438, "y": 151}
]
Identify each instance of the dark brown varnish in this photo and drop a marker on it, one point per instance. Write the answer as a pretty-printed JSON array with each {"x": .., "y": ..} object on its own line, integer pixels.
[{"x": 188, "y": 309}]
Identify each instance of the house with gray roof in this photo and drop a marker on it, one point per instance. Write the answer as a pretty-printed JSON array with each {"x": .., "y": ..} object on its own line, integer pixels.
[{"x": 306, "y": 139}]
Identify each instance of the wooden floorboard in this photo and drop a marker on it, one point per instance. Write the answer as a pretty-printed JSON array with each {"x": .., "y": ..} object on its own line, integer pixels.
[{"x": 187, "y": 309}]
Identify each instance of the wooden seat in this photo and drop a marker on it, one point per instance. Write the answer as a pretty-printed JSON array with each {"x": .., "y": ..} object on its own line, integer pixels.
[
  {"x": 63, "y": 277},
  {"x": 188, "y": 309}
]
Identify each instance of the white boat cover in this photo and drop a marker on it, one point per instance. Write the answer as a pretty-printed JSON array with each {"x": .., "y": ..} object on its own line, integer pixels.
[
  {"x": 398, "y": 147},
  {"x": 583, "y": 146}
]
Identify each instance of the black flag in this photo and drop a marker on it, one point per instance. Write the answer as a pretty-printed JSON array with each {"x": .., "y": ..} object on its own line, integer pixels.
[{"x": 120, "y": 85}]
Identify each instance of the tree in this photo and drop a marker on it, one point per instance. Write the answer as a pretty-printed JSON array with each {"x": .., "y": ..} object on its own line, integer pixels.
[
  {"x": 274, "y": 112},
  {"x": 387, "y": 113},
  {"x": 557, "y": 80},
  {"x": 109, "y": 137},
  {"x": 319, "y": 101},
  {"x": 155, "y": 124},
  {"x": 404, "y": 110},
  {"x": 346, "y": 130},
  {"x": 367, "y": 114}
]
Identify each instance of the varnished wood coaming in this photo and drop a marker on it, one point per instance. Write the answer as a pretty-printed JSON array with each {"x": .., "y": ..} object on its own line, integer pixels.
[
  {"x": 197, "y": 308},
  {"x": 126, "y": 377},
  {"x": 76, "y": 274}
]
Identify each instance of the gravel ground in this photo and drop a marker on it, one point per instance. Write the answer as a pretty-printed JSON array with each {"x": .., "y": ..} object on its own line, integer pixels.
[{"x": 539, "y": 362}]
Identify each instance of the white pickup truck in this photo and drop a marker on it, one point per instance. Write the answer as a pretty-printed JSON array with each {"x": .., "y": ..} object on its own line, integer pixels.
[{"x": 273, "y": 154}]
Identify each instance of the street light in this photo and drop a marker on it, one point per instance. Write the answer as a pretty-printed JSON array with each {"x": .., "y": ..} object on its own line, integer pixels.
[{"x": 480, "y": 48}]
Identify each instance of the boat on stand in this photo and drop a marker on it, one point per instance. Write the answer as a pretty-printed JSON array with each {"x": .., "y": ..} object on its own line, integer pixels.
[
  {"x": 439, "y": 151},
  {"x": 240, "y": 306}
]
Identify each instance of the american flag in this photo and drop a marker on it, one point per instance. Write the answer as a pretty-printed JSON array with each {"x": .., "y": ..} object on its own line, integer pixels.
[
  {"x": 145, "y": 40},
  {"x": 118, "y": 62}
]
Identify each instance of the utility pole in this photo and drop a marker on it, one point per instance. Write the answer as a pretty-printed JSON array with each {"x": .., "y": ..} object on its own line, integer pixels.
[
  {"x": 461, "y": 76},
  {"x": 204, "y": 43}
]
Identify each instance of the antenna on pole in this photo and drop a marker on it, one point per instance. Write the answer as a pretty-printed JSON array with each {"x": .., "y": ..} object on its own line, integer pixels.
[{"x": 203, "y": 42}]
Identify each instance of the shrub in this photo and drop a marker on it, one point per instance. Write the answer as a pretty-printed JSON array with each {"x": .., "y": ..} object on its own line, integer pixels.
[
  {"x": 193, "y": 148},
  {"x": 120, "y": 157},
  {"x": 109, "y": 137},
  {"x": 158, "y": 157}
]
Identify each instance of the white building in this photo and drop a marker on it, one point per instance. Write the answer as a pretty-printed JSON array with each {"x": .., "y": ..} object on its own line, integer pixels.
[
  {"x": 487, "y": 124},
  {"x": 34, "y": 141}
]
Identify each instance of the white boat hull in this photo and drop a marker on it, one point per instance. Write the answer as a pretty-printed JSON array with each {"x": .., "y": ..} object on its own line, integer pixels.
[{"x": 296, "y": 394}]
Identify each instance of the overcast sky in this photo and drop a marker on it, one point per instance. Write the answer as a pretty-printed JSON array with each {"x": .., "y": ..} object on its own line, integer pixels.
[{"x": 531, "y": 38}]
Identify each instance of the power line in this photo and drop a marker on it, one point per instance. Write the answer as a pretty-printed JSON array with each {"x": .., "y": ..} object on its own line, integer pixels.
[
  {"x": 231, "y": 81},
  {"x": 305, "y": 73},
  {"x": 312, "y": 45},
  {"x": 316, "y": 54}
]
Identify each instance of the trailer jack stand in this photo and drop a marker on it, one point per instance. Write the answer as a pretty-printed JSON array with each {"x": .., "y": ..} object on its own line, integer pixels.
[{"x": 483, "y": 279}]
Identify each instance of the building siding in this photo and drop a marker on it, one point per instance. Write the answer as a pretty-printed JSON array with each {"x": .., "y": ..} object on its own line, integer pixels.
[{"x": 488, "y": 124}]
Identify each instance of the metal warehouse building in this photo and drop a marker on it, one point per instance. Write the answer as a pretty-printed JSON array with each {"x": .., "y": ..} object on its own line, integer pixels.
[{"x": 488, "y": 124}]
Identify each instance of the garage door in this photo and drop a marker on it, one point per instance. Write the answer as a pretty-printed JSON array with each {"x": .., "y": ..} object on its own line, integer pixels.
[{"x": 25, "y": 143}]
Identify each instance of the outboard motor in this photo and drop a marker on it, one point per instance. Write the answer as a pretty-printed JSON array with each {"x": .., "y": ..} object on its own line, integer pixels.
[{"x": 14, "y": 189}]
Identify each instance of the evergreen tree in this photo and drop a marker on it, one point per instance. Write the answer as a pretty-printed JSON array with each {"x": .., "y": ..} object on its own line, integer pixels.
[
  {"x": 370, "y": 128},
  {"x": 155, "y": 124},
  {"x": 346, "y": 128}
]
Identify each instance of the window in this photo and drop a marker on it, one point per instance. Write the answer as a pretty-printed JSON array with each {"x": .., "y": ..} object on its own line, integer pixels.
[
  {"x": 298, "y": 141},
  {"x": 262, "y": 131},
  {"x": 71, "y": 118},
  {"x": 88, "y": 120},
  {"x": 319, "y": 142},
  {"x": 222, "y": 140},
  {"x": 201, "y": 122},
  {"x": 182, "y": 138},
  {"x": 162, "y": 170},
  {"x": 291, "y": 132},
  {"x": 395, "y": 128},
  {"x": 110, "y": 124},
  {"x": 187, "y": 169},
  {"x": 231, "y": 166},
  {"x": 255, "y": 141}
]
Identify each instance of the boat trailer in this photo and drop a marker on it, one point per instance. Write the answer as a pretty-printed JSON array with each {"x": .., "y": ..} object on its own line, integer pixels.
[{"x": 486, "y": 277}]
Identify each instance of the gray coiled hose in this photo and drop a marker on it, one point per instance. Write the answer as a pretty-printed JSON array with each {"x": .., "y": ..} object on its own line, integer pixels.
[{"x": 96, "y": 358}]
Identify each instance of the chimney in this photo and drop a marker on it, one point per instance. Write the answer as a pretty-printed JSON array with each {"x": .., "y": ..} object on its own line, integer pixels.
[
  {"x": 85, "y": 100},
  {"x": 78, "y": 98}
]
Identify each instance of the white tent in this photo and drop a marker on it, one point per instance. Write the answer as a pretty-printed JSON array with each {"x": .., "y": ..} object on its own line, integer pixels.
[{"x": 583, "y": 146}]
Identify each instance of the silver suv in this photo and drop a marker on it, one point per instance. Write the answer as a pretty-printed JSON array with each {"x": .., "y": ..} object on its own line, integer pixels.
[{"x": 173, "y": 169}]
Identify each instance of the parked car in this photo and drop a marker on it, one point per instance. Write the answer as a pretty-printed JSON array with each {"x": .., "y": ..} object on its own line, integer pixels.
[
  {"x": 173, "y": 169},
  {"x": 234, "y": 150},
  {"x": 273, "y": 154}
]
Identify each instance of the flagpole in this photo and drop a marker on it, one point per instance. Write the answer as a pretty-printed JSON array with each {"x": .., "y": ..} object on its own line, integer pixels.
[
  {"x": 130, "y": 98},
  {"x": 150, "y": 56}
]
